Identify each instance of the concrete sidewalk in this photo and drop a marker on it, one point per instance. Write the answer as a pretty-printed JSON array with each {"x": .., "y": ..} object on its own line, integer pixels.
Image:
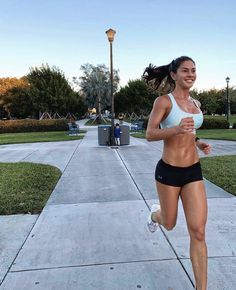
[{"x": 92, "y": 233}]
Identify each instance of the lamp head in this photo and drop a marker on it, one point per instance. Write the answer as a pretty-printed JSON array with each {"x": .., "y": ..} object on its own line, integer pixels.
[
  {"x": 227, "y": 79},
  {"x": 110, "y": 34}
]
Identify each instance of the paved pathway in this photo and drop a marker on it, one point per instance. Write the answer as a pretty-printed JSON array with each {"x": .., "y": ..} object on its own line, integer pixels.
[{"x": 92, "y": 233}]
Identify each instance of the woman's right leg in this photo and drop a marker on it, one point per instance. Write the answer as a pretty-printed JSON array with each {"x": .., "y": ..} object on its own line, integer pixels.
[{"x": 168, "y": 197}]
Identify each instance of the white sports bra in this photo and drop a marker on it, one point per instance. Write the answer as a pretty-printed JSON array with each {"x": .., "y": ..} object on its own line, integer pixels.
[{"x": 176, "y": 114}]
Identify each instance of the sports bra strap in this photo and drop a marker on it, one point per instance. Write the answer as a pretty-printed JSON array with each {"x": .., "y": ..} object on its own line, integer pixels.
[{"x": 195, "y": 103}]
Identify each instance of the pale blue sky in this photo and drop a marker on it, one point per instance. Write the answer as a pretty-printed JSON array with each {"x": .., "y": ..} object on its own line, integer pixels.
[{"x": 69, "y": 33}]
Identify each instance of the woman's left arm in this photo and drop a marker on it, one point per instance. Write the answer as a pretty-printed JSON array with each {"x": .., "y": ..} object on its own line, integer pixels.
[{"x": 205, "y": 147}]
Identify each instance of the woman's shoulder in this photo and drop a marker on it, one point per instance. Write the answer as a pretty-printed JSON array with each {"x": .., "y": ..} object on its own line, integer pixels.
[{"x": 163, "y": 100}]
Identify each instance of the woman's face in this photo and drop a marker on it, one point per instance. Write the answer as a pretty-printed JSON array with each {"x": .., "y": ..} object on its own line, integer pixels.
[{"x": 185, "y": 75}]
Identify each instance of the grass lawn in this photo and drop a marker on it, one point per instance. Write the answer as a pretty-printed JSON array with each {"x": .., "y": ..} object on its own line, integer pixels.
[
  {"x": 138, "y": 134},
  {"x": 220, "y": 134},
  {"x": 221, "y": 170},
  {"x": 30, "y": 137},
  {"x": 25, "y": 187}
]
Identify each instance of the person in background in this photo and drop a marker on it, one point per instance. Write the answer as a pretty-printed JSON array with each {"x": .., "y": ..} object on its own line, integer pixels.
[
  {"x": 117, "y": 134},
  {"x": 178, "y": 173}
]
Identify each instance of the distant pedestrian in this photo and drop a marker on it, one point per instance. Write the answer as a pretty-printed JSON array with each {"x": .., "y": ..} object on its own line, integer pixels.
[
  {"x": 178, "y": 173},
  {"x": 117, "y": 134}
]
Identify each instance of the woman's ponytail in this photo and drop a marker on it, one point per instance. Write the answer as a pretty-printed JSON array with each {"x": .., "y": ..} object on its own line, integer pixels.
[{"x": 154, "y": 76}]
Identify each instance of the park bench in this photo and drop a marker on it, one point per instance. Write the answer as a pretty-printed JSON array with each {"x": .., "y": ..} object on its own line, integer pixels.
[
  {"x": 73, "y": 129},
  {"x": 137, "y": 126}
]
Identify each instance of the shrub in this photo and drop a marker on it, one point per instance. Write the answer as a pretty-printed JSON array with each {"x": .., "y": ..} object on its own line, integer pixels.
[
  {"x": 234, "y": 125},
  {"x": 215, "y": 124},
  {"x": 31, "y": 125}
]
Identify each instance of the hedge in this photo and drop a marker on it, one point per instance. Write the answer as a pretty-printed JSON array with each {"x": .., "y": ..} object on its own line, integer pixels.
[
  {"x": 207, "y": 124},
  {"x": 31, "y": 125},
  {"x": 215, "y": 124}
]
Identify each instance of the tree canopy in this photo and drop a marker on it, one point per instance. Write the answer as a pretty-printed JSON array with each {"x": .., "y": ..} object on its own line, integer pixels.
[
  {"x": 43, "y": 89},
  {"x": 14, "y": 99},
  {"x": 50, "y": 91},
  {"x": 214, "y": 101},
  {"x": 96, "y": 86},
  {"x": 134, "y": 97}
]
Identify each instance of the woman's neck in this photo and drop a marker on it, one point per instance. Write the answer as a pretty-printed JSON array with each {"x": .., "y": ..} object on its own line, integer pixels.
[{"x": 180, "y": 93}]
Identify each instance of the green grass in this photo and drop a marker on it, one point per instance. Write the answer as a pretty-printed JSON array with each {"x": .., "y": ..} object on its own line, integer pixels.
[
  {"x": 221, "y": 170},
  {"x": 139, "y": 134},
  {"x": 31, "y": 137},
  {"x": 220, "y": 134},
  {"x": 26, "y": 187}
]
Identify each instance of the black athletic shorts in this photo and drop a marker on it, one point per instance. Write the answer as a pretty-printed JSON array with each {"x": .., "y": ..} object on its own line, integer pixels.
[{"x": 177, "y": 176}]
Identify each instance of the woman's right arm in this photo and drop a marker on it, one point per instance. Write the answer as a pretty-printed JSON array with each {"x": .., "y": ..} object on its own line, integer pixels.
[{"x": 161, "y": 108}]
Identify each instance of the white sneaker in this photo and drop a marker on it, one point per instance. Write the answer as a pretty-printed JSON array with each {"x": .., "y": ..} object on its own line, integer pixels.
[{"x": 152, "y": 226}]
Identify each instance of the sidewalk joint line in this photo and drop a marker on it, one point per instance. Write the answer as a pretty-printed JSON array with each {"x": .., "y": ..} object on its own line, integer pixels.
[
  {"x": 136, "y": 185},
  {"x": 29, "y": 155},
  {"x": 178, "y": 258},
  {"x": 95, "y": 264},
  {"x": 12, "y": 263},
  {"x": 80, "y": 141}
]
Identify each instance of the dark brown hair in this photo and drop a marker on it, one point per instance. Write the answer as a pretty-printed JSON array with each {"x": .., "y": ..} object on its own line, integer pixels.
[{"x": 154, "y": 76}]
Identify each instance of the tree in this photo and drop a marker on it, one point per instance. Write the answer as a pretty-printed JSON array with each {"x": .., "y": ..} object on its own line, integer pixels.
[
  {"x": 135, "y": 97},
  {"x": 50, "y": 91},
  {"x": 14, "y": 98},
  {"x": 96, "y": 87},
  {"x": 76, "y": 105},
  {"x": 232, "y": 98},
  {"x": 211, "y": 101},
  {"x": 18, "y": 103}
]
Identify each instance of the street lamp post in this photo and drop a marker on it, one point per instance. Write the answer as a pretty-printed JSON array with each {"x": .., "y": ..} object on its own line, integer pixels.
[
  {"x": 110, "y": 35},
  {"x": 227, "y": 97}
]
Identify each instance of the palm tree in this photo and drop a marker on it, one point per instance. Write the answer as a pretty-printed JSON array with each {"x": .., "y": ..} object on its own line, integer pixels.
[{"x": 95, "y": 85}]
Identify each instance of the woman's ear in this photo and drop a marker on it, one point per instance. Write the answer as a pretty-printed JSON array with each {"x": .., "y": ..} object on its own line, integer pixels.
[{"x": 172, "y": 76}]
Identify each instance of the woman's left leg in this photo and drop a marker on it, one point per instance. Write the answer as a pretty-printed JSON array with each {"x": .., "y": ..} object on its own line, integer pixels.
[{"x": 194, "y": 201}]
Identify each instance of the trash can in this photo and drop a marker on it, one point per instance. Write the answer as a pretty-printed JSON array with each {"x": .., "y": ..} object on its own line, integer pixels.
[
  {"x": 104, "y": 134},
  {"x": 124, "y": 135}
]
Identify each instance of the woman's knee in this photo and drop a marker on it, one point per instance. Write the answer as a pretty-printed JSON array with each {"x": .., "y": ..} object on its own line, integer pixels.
[
  {"x": 169, "y": 225},
  {"x": 197, "y": 233},
  {"x": 168, "y": 220}
]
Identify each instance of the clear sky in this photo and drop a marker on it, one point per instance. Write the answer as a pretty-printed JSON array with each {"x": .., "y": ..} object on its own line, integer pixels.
[{"x": 70, "y": 33}]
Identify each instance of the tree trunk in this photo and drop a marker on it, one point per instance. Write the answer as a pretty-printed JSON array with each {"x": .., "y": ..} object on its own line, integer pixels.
[{"x": 99, "y": 109}]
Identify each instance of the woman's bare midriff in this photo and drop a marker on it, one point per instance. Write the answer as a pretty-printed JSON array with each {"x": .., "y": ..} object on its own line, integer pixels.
[{"x": 180, "y": 150}]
